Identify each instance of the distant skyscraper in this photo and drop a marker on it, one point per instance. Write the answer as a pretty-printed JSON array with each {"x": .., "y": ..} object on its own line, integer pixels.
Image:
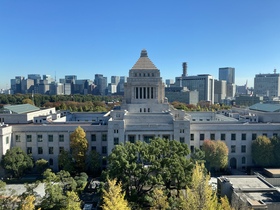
[
  {"x": 101, "y": 84},
  {"x": 267, "y": 85},
  {"x": 228, "y": 74},
  {"x": 169, "y": 82}
]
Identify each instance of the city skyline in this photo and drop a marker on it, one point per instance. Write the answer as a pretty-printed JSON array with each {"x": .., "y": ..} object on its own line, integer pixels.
[{"x": 88, "y": 38}]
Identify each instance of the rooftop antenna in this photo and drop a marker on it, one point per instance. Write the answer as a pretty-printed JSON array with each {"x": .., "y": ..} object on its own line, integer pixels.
[
  {"x": 274, "y": 70},
  {"x": 54, "y": 76}
]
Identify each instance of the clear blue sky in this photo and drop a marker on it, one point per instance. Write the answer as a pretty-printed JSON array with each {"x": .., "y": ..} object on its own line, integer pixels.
[{"x": 86, "y": 37}]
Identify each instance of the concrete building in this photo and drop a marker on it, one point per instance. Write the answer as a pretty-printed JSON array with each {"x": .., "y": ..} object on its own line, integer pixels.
[
  {"x": 249, "y": 192},
  {"x": 220, "y": 91},
  {"x": 144, "y": 114},
  {"x": 227, "y": 74},
  {"x": 203, "y": 83},
  {"x": 181, "y": 94},
  {"x": 267, "y": 85}
]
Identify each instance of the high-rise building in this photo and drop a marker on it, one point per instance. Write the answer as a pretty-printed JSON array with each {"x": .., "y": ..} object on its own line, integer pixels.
[
  {"x": 227, "y": 74},
  {"x": 203, "y": 83},
  {"x": 267, "y": 85},
  {"x": 16, "y": 84},
  {"x": 101, "y": 84}
]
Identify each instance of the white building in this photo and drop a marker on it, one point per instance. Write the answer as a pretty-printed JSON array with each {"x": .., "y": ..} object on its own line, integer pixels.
[{"x": 144, "y": 114}]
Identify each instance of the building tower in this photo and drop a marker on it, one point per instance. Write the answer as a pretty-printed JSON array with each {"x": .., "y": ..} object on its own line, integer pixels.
[
  {"x": 228, "y": 74},
  {"x": 144, "y": 84}
]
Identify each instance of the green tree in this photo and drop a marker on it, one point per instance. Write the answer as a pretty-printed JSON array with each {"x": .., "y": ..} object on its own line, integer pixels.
[
  {"x": 16, "y": 161},
  {"x": 65, "y": 161},
  {"x": 198, "y": 156},
  {"x": 113, "y": 198},
  {"x": 93, "y": 162},
  {"x": 128, "y": 164},
  {"x": 41, "y": 165},
  {"x": 81, "y": 181},
  {"x": 216, "y": 154},
  {"x": 141, "y": 166},
  {"x": 79, "y": 147},
  {"x": 27, "y": 101},
  {"x": 200, "y": 194},
  {"x": 169, "y": 160},
  {"x": 262, "y": 151}
]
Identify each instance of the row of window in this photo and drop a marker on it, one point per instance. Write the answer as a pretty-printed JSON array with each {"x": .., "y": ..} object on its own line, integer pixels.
[
  {"x": 144, "y": 74},
  {"x": 40, "y": 150},
  {"x": 223, "y": 136},
  {"x": 60, "y": 137}
]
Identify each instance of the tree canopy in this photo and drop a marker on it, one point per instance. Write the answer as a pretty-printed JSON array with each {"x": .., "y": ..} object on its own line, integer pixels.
[
  {"x": 79, "y": 147},
  {"x": 141, "y": 166},
  {"x": 113, "y": 197},
  {"x": 216, "y": 154},
  {"x": 265, "y": 151},
  {"x": 16, "y": 161}
]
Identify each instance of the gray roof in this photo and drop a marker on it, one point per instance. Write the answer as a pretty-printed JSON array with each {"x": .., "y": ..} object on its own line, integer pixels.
[
  {"x": 265, "y": 107},
  {"x": 144, "y": 62},
  {"x": 21, "y": 108}
]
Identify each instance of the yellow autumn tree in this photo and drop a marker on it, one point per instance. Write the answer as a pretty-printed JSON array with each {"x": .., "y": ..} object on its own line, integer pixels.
[
  {"x": 113, "y": 197},
  {"x": 79, "y": 147},
  {"x": 73, "y": 201},
  {"x": 28, "y": 203},
  {"x": 160, "y": 201},
  {"x": 201, "y": 194}
]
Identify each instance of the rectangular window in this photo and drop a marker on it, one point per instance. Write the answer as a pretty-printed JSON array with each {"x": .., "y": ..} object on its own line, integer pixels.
[
  {"x": 166, "y": 137},
  {"x": 131, "y": 138},
  {"x": 192, "y": 149},
  {"x": 212, "y": 136},
  {"x": 275, "y": 134},
  {"x": 201, "y": 137},
  {"x": 104, "y": 150},
  {"x": 51, "y": 150},
  {"x": 232, "y": 148},
  {"x": 93, "y": 137},
  {"x": 147, "y": 139},
  {"x": 116, "y": 141},
  {"x": 243, "y": 160},
  {"x": 40, "y": 150},
  {"x": 104, "y": 137},
  {"x": 243, "y": 136},
  {"x": 61, "y": 149},
  {"x": 39, "y": 138},
  {"x": 29, "y": 150},
  {"x": 264, "y": 134},
  {"x": 254, "y": 136},
  {"x": 28, "y": 138},
  {"x": 93, "y": 148},
  {"x": 233, "y": 136},
  {"x": 7, "y": 140},
  {"x": 50, "y": 138},
  {"x": 223, "y": 136},
  {"x": 243, "y": 148},
  {"x": 192, "y": 137},
  {"x": 116, "y": 131},
  {"x": 17, "y": 138},
  {"x": 61, "y": 138},
  {"x": 182, "y": 139},
  {"x": 182, "y": 131}
]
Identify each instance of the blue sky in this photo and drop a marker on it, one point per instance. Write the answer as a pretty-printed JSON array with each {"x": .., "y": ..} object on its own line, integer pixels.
[{"x": 90, "y": 37}]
